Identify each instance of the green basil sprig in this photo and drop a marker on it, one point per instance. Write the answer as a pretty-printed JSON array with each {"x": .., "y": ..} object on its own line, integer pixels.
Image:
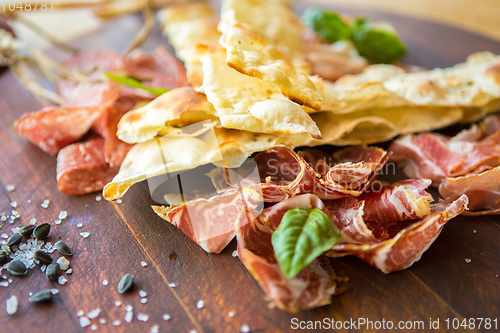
[
  {"x": 302, "y": 236},
  {"x": 131, "y": 82},
  {"x": 376, "y": 41}
]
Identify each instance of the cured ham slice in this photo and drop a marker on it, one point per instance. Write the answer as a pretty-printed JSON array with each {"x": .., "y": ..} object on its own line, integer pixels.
[
  {"x": 81, "y": 167},
  {"x": 283, "y": 167},
  {"x": 403, "y": 244},
  {"x": 464, "y": 164},
  {"x": 312, "y": 287},
  {"x": 483, "y": 190}
]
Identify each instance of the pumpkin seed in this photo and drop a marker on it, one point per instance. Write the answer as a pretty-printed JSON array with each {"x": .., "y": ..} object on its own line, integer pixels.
[
  {"x": 125, "y": 283},
  {"x": 53, "y": 271},
  {"x": 43, "y": 257},
  {"x": 17, "y": 267},
  {"x": 63, "y": 248},
  {"x": 27, "y": 230},
  {"x": 14, "y": 239},
  {"x": 41, "y": 296},
  {"x": 42, "y": 231},
  {"x": 3, "y": 257}
]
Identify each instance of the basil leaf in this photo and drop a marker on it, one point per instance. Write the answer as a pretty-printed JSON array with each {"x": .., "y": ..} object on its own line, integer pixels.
[
  {"x": 302, "y": 236},
  {"x": 131, "y": 82},
  {"x": 378, "y": 42},
  {"x": 329, "y": 25}
]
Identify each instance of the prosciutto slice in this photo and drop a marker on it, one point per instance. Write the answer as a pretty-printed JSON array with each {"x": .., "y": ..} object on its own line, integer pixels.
[
  {"x": 464, "y": 164},
  {"x": 402, "y": 244},
  {"x": 312, "y": 287}
]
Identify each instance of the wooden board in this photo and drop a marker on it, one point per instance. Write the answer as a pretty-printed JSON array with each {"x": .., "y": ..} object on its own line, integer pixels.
[{"x": 440, "y": 286}]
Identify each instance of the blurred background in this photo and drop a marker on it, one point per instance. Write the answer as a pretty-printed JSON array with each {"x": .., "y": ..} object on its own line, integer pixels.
[{"x": 68, "y": 19}]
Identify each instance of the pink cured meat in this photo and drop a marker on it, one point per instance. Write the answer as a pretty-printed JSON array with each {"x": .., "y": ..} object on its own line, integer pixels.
[
  {"x": 464, "y": 164},
  {"x": 404, "y": 244},
  {"x": 159, "y": 69},
  {"x": 82, "y": 169},
  {"x": 312, "y": 287}
]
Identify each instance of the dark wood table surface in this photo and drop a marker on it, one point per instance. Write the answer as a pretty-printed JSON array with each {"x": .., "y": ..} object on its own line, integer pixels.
[{"x": 441, "y": 285}]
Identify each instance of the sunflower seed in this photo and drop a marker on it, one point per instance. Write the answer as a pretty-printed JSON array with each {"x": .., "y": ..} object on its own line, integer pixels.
[
  {"x": 16, "y": 267},
  {"x": 27, "y": 230},
  {"x": 41, "y": 296},
  {"x": 14, "y": 239},
  {"x": 125, "y": 283},
  {"x": 63, "y": 248},
  {"x": 42, "y": 257},
  {"x": 53, "y": 271},
  {"x": 42, "y": 231},
  {"x": 3, "y": 257}
]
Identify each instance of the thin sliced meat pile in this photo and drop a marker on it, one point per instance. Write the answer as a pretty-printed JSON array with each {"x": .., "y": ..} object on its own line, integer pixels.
[
  {"x": 468, "y": 163},
  {"x": 387, "y": 225},
  {"x": 95, "y": 106}
]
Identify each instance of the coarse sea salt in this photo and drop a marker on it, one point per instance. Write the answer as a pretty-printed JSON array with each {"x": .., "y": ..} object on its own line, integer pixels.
[
  {"x": 118, "y": 303},
  {"x": 84, "y": 321},
  {"x": 13, "y": 204},
  {"x": 11, "y": 305},
  {"x": 79, "y": 225},
  {"x": 166, "y": 317},
  {"x": 85, "y": 234},
  {"x": 143, "y": 293},
  {"x": 142, "y": 317},
  {"x": 245, "y": 329},
  {"x": 69, "y": 271},
  {"x": 102, "y": 321},
  {"x": 63, "y": 263},
  {"x": 129, "y": 308},
  {"x": 129, "y": 316},
  {"x": 80, "y": 313},
  {"x": 172, "y": 285},
  {"x": 105, "y": 282},
  {"x": 94, "y": 313},
  {"x": 144, "y": 300},
  {"x": 230, "y": 314},
  {"x": 144, "y": 264},
  {"x": 116, "y": 323},
  {"x": 200, "y": 304},
  {"x": 62, "y": 280},
  {"x": 54, "y": 291},
  {"x": 235, "y": 253},
  {"x": 93, "y": 327},
  {"x": 33, "y": 221},
  {"x": 155, "y": 329},
  {"x": 63, "y": 214},
  {"x": 98, "y": 198},
  {"x": 10, "y": 188}
]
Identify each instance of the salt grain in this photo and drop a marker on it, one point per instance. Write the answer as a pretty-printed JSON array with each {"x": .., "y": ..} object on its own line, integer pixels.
[
  {"x": 144, "y": 264},
  {"x": 84, "y": 321},
  {"x": 54, "y": 291},
  {"x": 129, "y": 308},
  {"x": 10, "y": 188},
  {"x": 230, "y": 314},
  {"x": 118, "y": 303},
  {"x": 235, "y": 253},
  {"x": 102, "y": 321},
  {"x": 43, "y": 268},
  {"x": 142, "y": 293},
  {"x": 166, "y": 317},
  {"x": 245, "y": 329},
  {"x": 62, "y": 280},
  {"x": 98, "y": 198},
  {"x": 69, "y": 271},
  {"x": 142, "y": 317},
  {"x": 57, "y": 222},
  {"x": 118, "y": 201},
  {"x": 80, "y": 313},
  {"x": 105, "y": 282},
  {"x": 13, "y": 204},
  {"x": 3, "y": 218},
  {"x": 63, "y": 263},
  {"x": 63, "y": 214},
  {"x": 45, "y": 203},
  {"x": 85, "y": 234},
  {"x": 200, "y": 304},
  {"x": 11, "y": 305},
  {"x": 129, "y": 316},
  {"x": 33, "y": 221},
  {"x": 79, "y": 225},
  {"x": 155, "y": 329},
  {"x": 193, "y": 331},
  {"x": 93, "y": 327},
  {"x": 172, "y": 285},
  {"x": 144, "y": 300},
  {"x": 94, "y": 313},
  {"x": 116, "y": 323},
  {"x": 4, "y": 284},
  {"x": 467, "y": 260},
  {"x": 5, "y": 236}
]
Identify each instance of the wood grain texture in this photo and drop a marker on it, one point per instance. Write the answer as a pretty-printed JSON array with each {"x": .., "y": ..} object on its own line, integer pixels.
[{"x": 441, "y": 285}]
